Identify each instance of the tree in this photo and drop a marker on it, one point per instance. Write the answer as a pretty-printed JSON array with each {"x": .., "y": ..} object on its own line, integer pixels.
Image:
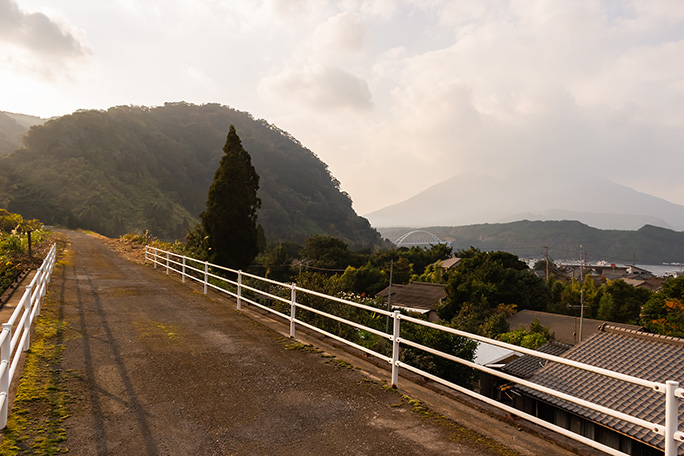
[
  {"x": 622, "y": 302},
  {"x": 487, "y": 279},
  {"x": 230, "y": 216},
  {"x": 663, "y": 313},
  {"x": 326, "y": 252},
  {"x": 533, "y": 337}
]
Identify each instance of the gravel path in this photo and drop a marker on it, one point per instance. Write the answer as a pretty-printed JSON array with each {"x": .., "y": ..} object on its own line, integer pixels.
[{"x": 159, "y": 369}]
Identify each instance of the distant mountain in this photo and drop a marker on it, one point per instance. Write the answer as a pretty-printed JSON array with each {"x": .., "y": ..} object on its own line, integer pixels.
[
  {"x": 12, "y": 129},
  {"x": 469, "y": 199},
  {"x": 138, "y": 168},
  {"x": 527, "y": 239}
]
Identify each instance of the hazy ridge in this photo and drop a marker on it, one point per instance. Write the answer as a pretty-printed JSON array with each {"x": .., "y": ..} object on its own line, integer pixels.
[
  {"x": 468, "y": 199},
  {"x": 527, "y": 239}
]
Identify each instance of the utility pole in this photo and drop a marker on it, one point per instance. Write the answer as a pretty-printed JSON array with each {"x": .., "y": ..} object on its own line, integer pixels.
[
  {"x": 581, "y": 306},
  {"x": 389, "y": 297},
  {"x": 581, "y": 277},
  {"x": 546, "y": 255},
  {"x": 581, "y": 313}
]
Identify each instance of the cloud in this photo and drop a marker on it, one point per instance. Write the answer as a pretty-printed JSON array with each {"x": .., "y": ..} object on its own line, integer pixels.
[
  {"x": 37, "y": 33},
  {"x": 322, "y": 87},
  {"x": 344, "y": 32},
  {"x": 198, "y": 75}
]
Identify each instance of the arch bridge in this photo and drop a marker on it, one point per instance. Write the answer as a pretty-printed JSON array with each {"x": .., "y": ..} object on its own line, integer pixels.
[{"x": 418, "y": 238}]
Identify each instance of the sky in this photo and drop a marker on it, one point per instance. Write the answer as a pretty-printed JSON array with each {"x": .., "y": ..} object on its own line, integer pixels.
[{"x": 394, "y": 95}]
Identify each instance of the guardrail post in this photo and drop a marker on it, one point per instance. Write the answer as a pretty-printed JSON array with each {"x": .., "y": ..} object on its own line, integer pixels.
[
  {"x": 27, "y": 320},
  {"x": 146, "y": 247},
  {"x": 167, "y": 263},
  {"x": 154, "y": 261},
  {"x": 671, "y": 418},
  {"x": 293, "y": 308},
  {"x": 206, "y": 276},
  {"x": 183, "y": 273},
  {"x": 51, "y": 266},
  {"x": 239, "y": 290},
  {"x": 42, "y": 288},
  {"x": 395, "y": 349},
  {"x": 5, "y": 354}
]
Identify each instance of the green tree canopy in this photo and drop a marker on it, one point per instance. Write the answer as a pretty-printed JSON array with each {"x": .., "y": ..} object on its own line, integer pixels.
[
  {"x": 622, "y": 302},
  {"x": 326, "y": 252},
  {"x": 229, "y": 219},
  {"x": 488, "y": 279},
  {"x": 663, "y": 313}
]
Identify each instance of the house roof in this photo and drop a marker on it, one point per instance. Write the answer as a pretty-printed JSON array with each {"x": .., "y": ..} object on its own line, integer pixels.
[
  {"x": 564, "y": 327},
  {"x": 644, "y": 355},
  {"x": 416, "y": 295},
  {"x": 449, "y": 262},
  {"x": 526, "y": 366},
  {"x": 486, "y": 354}
]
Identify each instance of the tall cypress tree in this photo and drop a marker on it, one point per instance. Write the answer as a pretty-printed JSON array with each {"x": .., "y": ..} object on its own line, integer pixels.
[{"x": 230, "y": 216}]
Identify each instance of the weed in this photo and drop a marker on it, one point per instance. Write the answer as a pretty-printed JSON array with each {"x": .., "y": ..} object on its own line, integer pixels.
[
  {"x": 294, "y": 345},
  {"x": 41, "y": 403},
  {"x": 340, "y": 363}
]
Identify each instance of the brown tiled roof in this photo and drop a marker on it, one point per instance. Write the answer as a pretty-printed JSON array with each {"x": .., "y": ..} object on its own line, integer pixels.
[
  {"x": 418, "y": 295},
  {"x": 526, "y": 366},
  {"x": 648, "y": 356},
  {"x": 449, "y": 262},
  {"x": 564, "y": 327}
]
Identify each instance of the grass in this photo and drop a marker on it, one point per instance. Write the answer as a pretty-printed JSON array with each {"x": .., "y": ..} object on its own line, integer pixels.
[
  {"x": 41, "y": 403},
  {"x": 456, "y": 432}
]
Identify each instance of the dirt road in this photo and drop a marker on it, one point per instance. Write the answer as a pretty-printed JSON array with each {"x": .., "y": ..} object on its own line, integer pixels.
[{"x": 159, "y": 369}]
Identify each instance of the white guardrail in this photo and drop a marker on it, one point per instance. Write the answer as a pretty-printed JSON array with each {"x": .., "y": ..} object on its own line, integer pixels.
[
  {"x": 201, "y": 271},
  {"x": 17, "y": 331}
]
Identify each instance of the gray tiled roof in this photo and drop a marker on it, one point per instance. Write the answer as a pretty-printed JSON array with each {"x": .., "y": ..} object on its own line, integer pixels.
[
  {"x": 526, "y": 366},
  {"x": 648, "y": 356}
]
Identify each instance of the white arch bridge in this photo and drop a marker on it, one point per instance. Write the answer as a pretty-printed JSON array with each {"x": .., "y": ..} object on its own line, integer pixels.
[{"x": 418, "y": 238}]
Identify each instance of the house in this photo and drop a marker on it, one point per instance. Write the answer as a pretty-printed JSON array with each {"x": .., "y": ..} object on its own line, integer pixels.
[
  {"x": 651, "y": 284},
  {"x": 565, "y": 328},
  {"x": 494, "y": 357},
  {"x": 636, "y": 353},
  {"x": 528, "y": 365},
  {"x": 420, "y": 297}
]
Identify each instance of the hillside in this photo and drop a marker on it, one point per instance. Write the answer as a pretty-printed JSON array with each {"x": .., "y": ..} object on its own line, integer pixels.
[
  {"x": 527, "y": 239},
  {"x": 469, "y": 199},
  {"x": 10, "y": 134},
  {"x": 138, "y": 168},
  {"x": 12, "y": 128}
]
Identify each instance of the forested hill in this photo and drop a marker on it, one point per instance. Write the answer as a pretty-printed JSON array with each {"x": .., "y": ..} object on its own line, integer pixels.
[{"x": 137, "y": 168}]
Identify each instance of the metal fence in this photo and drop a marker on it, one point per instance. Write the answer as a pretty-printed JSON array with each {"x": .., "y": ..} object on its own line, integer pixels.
[
  {"x": 286, "y": 301},
  {"x": 16, "y": 333}
]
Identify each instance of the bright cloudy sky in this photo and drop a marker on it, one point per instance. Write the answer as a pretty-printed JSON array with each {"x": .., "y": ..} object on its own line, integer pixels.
[{"x": 394, "y": 95}]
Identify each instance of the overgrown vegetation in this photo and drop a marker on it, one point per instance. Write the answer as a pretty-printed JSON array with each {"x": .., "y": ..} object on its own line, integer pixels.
[
  {"x": 14, "y": 257},
  {"x": 40, "y": 406}
]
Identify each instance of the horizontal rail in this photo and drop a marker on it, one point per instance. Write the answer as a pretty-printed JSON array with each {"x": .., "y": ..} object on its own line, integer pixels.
[
  {"x": 347, "y": 342},
  {"x": 515, "y": 411},
  {"x": 344, "y": 320},
  {"x": 653, "y": 427},
  {"x": 345, "y": 301},
  {"x": 656, "y": 386},
  {"x": 16, "y": 332}
]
